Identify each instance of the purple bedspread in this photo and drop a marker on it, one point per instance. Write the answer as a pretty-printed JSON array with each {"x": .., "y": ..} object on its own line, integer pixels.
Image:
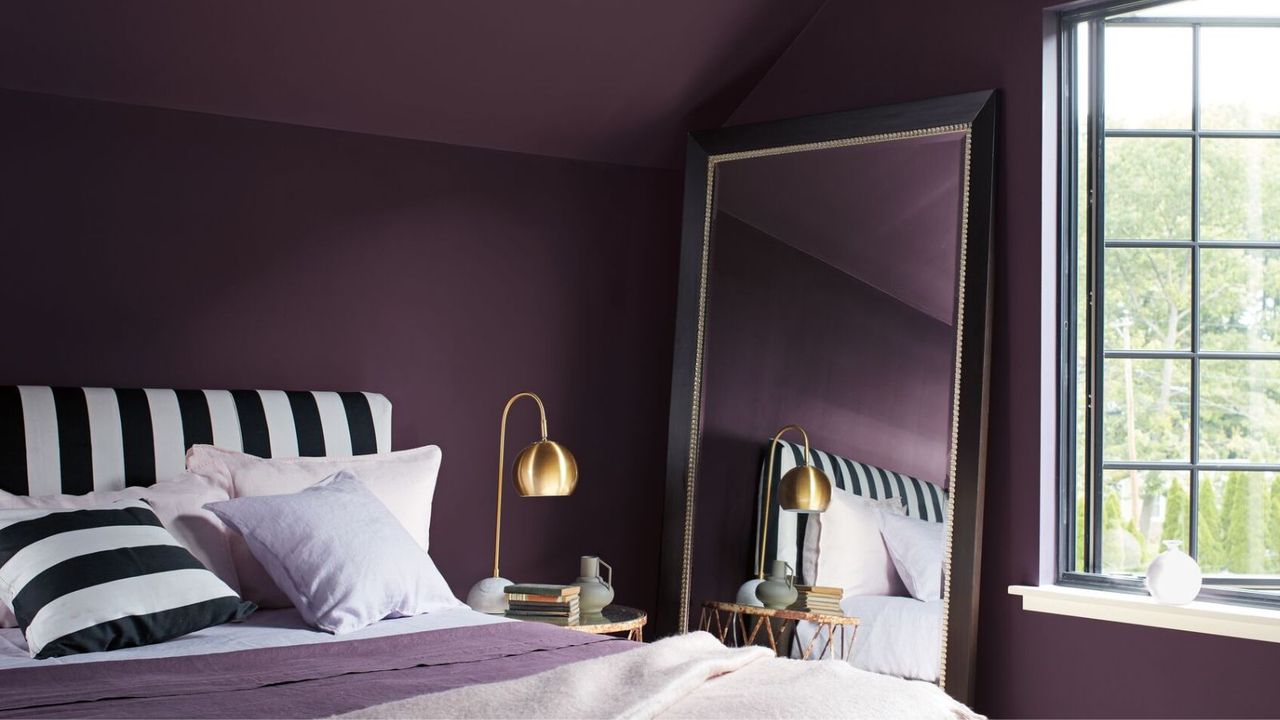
[{"x": 300, "y": 681}]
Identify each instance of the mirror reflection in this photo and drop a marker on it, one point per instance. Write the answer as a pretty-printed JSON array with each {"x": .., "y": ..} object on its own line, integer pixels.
[{"x": 832, "y": 305}]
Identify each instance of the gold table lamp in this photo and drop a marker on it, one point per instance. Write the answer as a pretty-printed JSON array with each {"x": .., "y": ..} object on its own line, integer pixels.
[
  {"x": 804, "y": 489},
  {"x": 542, "y": 469}
]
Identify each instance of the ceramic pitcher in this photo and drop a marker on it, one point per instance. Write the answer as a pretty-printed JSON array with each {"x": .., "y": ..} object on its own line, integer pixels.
[
  {"x": 597, "y": 592},
  {"x": 778, "y": 591}
]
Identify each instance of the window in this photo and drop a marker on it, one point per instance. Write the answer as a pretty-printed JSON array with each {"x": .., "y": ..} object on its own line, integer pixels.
[{"x": 1171, "y": 296}]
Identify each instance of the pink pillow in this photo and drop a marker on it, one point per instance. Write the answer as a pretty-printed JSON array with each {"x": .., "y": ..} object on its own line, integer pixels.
[
  {"x": 179, "y": 503},
  {"x": 405, "y": 481},
  {"x": 843, "y": 547}
]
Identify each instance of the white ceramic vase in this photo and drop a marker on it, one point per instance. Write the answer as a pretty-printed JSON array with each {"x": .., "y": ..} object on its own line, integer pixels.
[
  {"x": 1173, "y": 578},
  {"x": 489, "y": 595}
]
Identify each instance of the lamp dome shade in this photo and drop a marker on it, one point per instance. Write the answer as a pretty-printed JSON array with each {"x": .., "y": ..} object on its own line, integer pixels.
[
  {"x": 546, "y": 469},
  {"x": 804, "y": 489}
]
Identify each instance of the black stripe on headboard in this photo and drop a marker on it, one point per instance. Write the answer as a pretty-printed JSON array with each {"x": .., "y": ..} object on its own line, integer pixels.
[
  {"x": 13, "y": 442},
  {"x": 136, "y": 434},
  {"x": 75, "y": 449},
  {"x": 364, "y": 440},
  {"x": 306, "y": 422},
  {"x": 197, "y": 425},
  {"x": 254, "y": 436}
]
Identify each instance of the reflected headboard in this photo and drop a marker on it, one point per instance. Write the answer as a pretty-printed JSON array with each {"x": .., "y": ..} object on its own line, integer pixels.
[
  {"x": 920, "y": 499},
  {"x": 77, "y": 440}
]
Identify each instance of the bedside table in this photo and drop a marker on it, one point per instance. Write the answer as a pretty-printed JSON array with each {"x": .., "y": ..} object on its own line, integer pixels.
[
  {"x": 614, "y": 619},
  {"x": 729, "y": 623}
]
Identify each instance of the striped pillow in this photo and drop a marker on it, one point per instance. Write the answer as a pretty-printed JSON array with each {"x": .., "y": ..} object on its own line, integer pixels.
[{"x": 105, "y": 578}]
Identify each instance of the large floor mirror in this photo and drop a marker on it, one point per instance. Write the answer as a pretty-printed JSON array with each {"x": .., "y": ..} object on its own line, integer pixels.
[{"x": 828, "y": 407}]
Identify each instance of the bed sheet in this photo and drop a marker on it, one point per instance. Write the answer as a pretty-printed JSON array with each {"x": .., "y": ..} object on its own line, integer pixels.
[
  {"x": 898, "y": 636},
  {"x": 263, "y": 629}
]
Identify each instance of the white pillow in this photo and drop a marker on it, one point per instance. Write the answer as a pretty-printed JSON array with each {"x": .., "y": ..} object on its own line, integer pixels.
[
  {"x": 405, "y": 481},
  {"x": 339, "y": 554},
  {"x": 843, "y": 547},
  {"x": 916, "y": 549}
]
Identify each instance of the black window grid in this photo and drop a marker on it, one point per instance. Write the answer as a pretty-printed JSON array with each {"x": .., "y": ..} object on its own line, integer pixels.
[{"x": 1235, "y": 589}]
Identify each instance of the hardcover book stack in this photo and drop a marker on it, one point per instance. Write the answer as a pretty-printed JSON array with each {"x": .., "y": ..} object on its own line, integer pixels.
[
  {"x": 557, "y": 604},
  {"x": 816, "y": 599}
]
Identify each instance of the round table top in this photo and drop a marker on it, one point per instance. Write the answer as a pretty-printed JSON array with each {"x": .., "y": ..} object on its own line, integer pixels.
[
  {"x": 614, "y": 618},
  {"x": 786, "y": 614}
]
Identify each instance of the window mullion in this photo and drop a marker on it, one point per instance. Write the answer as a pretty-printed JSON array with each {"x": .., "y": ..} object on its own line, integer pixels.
[
  {"x": 1096, "y": 248},
  {"x": 1193, "y": 506}
]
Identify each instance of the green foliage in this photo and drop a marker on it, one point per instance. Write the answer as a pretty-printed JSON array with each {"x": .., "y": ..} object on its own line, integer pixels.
[
  {"x": 1146, "y": 404},
  {"x": 1244, "y": 523},
  {"x": 1209, "y": 530},
  {"x": 1273, "y": 529},
  {"x": 1177, "y": 516}
]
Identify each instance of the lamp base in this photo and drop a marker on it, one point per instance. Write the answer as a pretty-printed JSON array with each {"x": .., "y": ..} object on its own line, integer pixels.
[
  {"x": 747, "y": 593},
  {"x": 489, "y": 596}
]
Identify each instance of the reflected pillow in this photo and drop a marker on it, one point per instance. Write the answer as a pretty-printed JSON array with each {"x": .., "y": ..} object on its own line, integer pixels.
[
  {"x": 405, "y": 482},
  {"x": 339, "y": 554},
  {"x": 843, "y": 547},
  {"x": 916, "y": 549}
]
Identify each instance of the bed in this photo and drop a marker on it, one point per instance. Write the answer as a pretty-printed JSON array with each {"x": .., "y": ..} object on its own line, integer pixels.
[
  {"x": 845, "y": 548},
  {"x": 452, "y": 662}
]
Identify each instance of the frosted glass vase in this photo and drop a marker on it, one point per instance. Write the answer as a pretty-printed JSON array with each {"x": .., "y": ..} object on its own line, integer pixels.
[{"x": 1173, "y": 578}]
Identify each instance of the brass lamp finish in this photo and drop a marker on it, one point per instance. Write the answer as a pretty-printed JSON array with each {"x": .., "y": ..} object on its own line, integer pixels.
[
  {"x": 546, "y": 469},
  {"x": 804, "y": 489},
  {"x": 542, "y": 469}
]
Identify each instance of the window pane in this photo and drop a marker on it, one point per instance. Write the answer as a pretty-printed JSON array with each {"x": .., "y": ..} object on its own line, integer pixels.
[
  {"x": 1238, "y": 523},
  {"x": 1148, "y": 77},
  {"x": 1240, "y": 411},
  {"x": 1147, "y": 410},
  {"x": 1239, "y": 298},
  {"x": 1238, "y": 88},
  {"x": 1148, "y": 299},
  {"x": 1148, "y": 189},
  {"x": 1140, "y": 508},
  {"x": 1240, "y": 189}
]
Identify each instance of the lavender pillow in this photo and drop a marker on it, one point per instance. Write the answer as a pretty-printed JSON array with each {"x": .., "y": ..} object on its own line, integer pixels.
[{"x": 339, "y": 554}]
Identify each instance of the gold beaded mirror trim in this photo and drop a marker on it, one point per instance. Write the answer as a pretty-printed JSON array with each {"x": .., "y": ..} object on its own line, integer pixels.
[{"x": 686, "y": 558}]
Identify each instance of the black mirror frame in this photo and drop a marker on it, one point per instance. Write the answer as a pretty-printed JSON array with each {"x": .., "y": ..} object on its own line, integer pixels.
[{"x": 975, "y": 112}]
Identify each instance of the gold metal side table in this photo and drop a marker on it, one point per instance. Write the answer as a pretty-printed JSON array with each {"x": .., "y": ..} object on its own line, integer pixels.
[
  {"x": 615, "y": 619},
  {"x": 740, "y": 625}
]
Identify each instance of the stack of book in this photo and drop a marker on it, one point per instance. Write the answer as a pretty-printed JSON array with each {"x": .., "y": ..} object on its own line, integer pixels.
[
  {"x": 556, "y": 604},
  {"x": 821, "y": 600}
]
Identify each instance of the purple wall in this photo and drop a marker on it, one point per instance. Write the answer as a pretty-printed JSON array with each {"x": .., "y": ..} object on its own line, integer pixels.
[
  {"x": 885, "y": 213},
  {"x": 857, "y": 54},
  {"x": 172, "y": 249},
  {"x": 791, "y": 339}
]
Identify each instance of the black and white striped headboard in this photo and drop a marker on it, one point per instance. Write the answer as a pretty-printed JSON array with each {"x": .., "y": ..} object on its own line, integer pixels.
[
  {"x": 922, "y": 500},
  {"x": 77, "y": 440}
]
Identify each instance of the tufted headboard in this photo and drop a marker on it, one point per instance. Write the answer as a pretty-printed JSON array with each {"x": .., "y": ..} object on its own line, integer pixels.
[{"x": 76, "y": 440}]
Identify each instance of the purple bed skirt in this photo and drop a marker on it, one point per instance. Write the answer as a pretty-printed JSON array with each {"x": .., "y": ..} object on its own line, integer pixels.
[{"x": 300, "y": 681}]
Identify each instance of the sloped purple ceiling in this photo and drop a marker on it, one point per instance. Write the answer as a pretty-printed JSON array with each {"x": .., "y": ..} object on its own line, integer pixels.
[{"x": 607, "y": 81}]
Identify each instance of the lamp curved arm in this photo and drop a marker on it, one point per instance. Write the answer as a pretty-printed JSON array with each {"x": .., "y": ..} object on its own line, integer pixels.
[
  {"x": 502, "y": 445},
  {"x": 768, "y": 488}
]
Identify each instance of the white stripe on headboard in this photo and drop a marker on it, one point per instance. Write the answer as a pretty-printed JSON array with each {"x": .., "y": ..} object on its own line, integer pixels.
[
  {"x": 107, "y": 438},
  {"x": 224, "y": 420}
]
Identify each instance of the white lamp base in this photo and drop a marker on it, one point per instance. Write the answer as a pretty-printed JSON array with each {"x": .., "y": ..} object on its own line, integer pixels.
[
  {"x": 488, "y": 596},
  {"x": 747, "y": 593}
]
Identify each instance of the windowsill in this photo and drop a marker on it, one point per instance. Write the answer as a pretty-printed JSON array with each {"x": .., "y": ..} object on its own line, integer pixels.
[{"x": 1202, "y": 617}]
